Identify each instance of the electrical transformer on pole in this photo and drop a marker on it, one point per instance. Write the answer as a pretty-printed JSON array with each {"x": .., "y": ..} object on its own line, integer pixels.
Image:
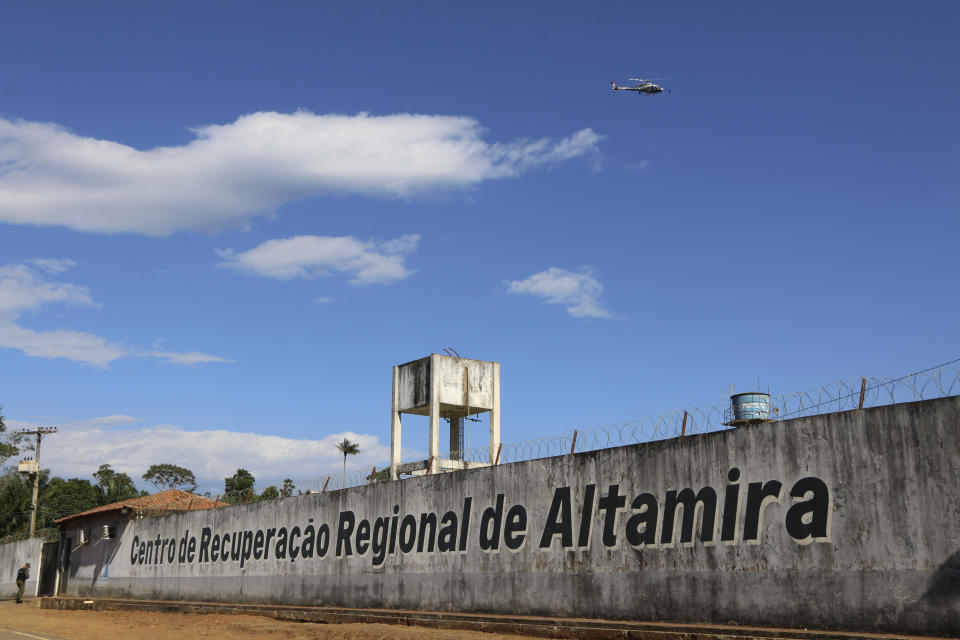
[{"x": 31, "y": 468}]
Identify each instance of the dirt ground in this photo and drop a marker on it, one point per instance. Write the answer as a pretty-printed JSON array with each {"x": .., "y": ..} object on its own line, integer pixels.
[{"x": 123, "y": 625}]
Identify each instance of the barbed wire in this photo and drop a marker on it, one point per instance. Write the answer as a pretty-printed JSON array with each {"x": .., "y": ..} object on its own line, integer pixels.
[
  {"x": 940, "y": 381},
  {"x": 47, "y": 533}
]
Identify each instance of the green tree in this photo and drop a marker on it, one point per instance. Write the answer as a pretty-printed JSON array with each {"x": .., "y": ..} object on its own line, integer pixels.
[
  {"x": 238, "y": 487},
  {"x": 15, "y": 494},
  {"x": 8, "y": 447},
  {"x": 58, "y": 498},
  {"x": 383, "y": 475},
  {"x": 270, "y": 493},
  {"x": 61, "y": 498},
  {"x": 347, "y": 448},
  {"x": 113, "y": 486},
  {"x": 288, "y": 488},
  {"x": 170, "y": 476}
]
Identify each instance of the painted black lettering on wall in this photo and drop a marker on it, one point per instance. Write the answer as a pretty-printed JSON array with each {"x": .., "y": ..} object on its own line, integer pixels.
[
  {"x": 808, "y": 520},
  {"x": 705, "y": 499},
  {"x": 684, "y": 516}
]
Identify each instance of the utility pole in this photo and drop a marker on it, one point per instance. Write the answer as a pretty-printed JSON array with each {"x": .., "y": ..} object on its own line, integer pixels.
[{"x": 35, "y": 471}]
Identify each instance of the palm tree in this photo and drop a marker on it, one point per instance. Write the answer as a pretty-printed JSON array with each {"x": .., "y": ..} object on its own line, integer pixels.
[{"x": 347, "y": 448}]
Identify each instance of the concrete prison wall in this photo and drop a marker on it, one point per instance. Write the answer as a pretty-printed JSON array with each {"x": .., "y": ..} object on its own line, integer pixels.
[
  {"x": 849, "y": 520},
  {"x": 14, "y": 555}
]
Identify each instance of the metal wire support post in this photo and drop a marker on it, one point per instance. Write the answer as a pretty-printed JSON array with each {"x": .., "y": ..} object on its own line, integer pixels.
[{"x": 39, "y": 432}]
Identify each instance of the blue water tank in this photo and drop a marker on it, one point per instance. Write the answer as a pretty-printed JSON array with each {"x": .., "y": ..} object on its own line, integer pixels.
[{"x": 753, "y": 405}]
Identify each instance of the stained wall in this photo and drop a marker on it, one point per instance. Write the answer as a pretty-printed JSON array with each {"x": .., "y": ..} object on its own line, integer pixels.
[{"x": 848, "y": 520}]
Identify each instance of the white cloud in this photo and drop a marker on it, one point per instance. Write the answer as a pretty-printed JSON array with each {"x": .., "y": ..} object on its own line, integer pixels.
[
  {"x": 73, "y": 345},
  {"x": 232, "y": 173},
  {"x": 23, "y": 289},
  {"x": 107, "y": 421},
  {"x": 193, "y": 357},
  {"x": 642, "y": 165},
  {"x": 53, "y": 265},
  {"x": 366, "y": 262},
  {"x": 527, "y": 154},
  {"x": 80, "y": 447},
  {"x": 577, "y": 291}
]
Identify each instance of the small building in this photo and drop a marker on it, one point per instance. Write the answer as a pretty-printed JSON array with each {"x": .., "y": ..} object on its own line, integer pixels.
[{"x": 88, "y": 539}]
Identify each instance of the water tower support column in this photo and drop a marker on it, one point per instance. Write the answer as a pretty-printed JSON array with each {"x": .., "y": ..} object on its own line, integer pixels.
[
  {"x": 495, "y": 414},
  {"x": 434, "y": 450},
  {"x": 395, "y": 425}
]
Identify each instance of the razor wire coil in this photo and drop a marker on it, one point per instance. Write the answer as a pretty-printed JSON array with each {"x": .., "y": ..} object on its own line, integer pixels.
[{"x": 843, "y": 395}]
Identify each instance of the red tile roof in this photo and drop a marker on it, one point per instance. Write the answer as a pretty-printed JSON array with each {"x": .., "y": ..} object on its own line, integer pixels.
[{"x": 164, "y": 502}]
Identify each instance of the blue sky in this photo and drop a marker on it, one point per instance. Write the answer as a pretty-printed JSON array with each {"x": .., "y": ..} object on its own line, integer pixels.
[{"x": 221, "y": 224}]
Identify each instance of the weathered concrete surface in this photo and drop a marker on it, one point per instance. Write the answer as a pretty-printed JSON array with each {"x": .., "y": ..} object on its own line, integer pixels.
[
  {"x": 443, "y": 387},
  {"x": 868, "y": 541},
  {"x": 447, "y": 376},
  {"x": 578, "y": 628},
  {"x": 13, "y": 556}
]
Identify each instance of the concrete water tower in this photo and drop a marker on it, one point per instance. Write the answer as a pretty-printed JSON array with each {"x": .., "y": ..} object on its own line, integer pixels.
[{"x": 447, "y": 387}]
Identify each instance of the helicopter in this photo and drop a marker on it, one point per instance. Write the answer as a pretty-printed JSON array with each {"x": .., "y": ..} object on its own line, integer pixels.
[{"x": 645, "y": 87}]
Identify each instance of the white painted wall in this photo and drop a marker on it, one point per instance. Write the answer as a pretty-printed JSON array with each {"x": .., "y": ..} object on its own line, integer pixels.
[{"x": 13, "y": 556}]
